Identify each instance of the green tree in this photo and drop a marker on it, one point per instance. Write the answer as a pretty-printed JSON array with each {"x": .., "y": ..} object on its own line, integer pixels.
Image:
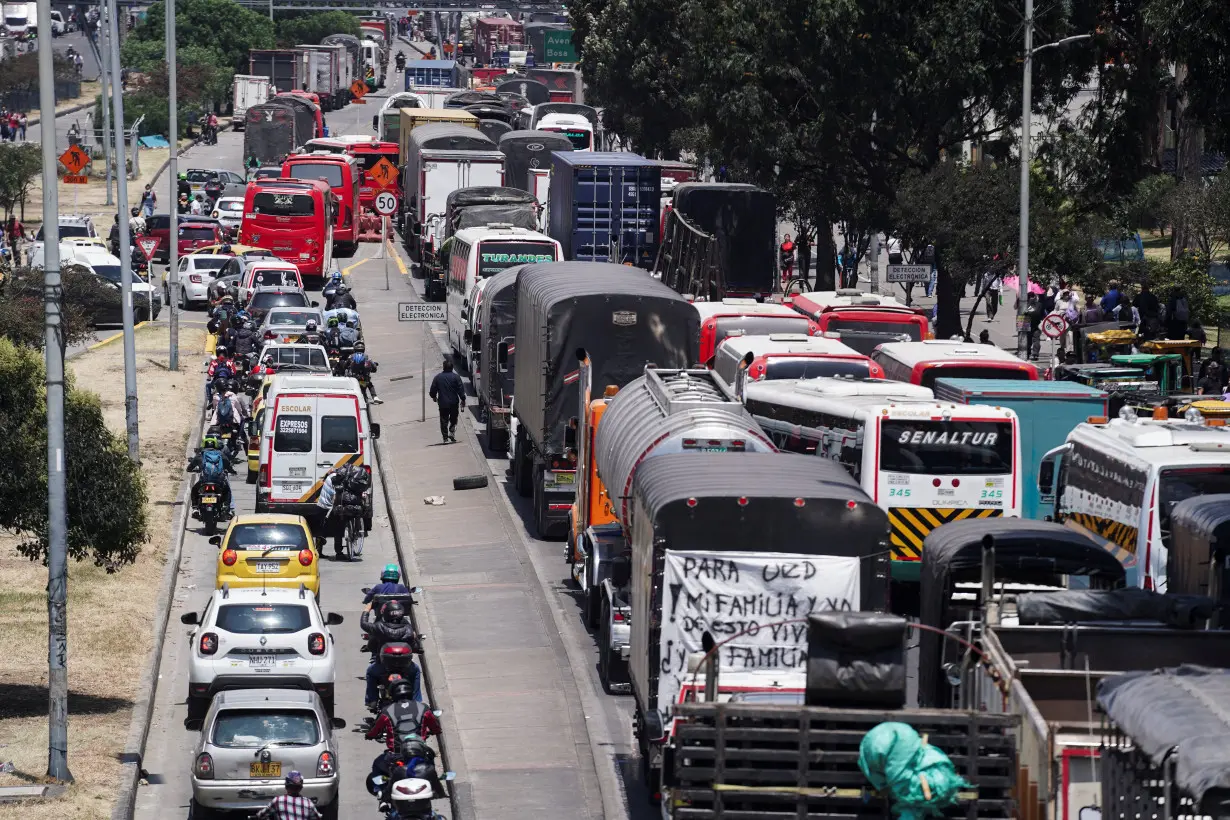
[
  {"x": 297, "y": 27},
  {"x": 221, "y": 25},
  {"x": 1193, "y": 33},
  {"x": 21, "y": 305},
  {"x": 20, "y": 163},
  {"x": 106, "y": 493}
]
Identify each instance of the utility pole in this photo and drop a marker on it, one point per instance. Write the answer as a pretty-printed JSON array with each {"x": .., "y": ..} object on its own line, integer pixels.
[
  {"x": 53, "y": 352},
  {"x": 104, "y": 48},
  {"x": 121, "y": 182},
  {"x": 1022, "y": 264},
  {"x": 173, "y": 194},
  {"x": 875, "y": 262}
]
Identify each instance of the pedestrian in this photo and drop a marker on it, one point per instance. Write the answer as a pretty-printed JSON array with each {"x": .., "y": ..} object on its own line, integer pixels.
[
  {"x": 449, "y": 393},
  {"x": 1111, "y": 300},
  {"x": 23, "y": 122},
  {"x": 1150, "y": 311},
  {"x": 1212, "y": 383},
  {"x": 984, "y": 338},
  {"x": 14, "y": 231},
  {"x": 1092, "y": 314},
  {"x": 149, "y": 200},
  {"x": 14, "y": 125},
  {"x": 993, "y": 286},
  {"x": 1034, "y": 312},
  {"x": 1178, "y": 313},
  {"x": 197, "y": 206}
]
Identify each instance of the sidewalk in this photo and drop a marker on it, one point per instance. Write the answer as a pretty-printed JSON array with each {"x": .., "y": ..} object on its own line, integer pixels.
[{"x": 497, "y": 664}]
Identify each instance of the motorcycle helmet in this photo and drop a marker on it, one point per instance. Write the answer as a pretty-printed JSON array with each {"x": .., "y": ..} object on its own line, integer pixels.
[
  {"x": 220, "y": 351},
  {"x": 332, "y": 321},
  {"x": 393, "y": 612},
  {"x": 249, "y": 325},
  {"x": 310, "y": 327},
  {"x": 227, "y": 298},
  {"x": 390, "y": 573},
  {"x": 294, "y": 782},
  {"x": 210, "y": 442},
  {"x": 359, "y": 346},
  {"x": 402, "y": 690},
  {"x": 349, "y": 321}
]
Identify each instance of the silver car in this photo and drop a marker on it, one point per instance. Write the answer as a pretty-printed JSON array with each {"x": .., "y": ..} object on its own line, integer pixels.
[
  {"x": 288, "y": 324},
  {"x": 251, "y": 739}
]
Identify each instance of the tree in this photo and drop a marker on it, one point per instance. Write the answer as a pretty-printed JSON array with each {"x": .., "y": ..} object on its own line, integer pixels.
[
  {"x": 21, "y": 305},
  {"x": 203, "y": 83},
  {"x": 222, "y": 25},
  {"x": 1192, "y": 34},
  {"x": 1204, "y": 210},
  {"x": 296, "y": 28},
  {"x": 106, "y": 493},
  {"x": 20, "y": 163}
]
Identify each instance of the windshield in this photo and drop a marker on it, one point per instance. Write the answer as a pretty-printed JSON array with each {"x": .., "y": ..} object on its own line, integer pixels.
[
  {"x": 909, "y": 326},
  {"x": 267, "y": 536},
  {"x": 330, "y": 172},
  {"x": 256, "y": 728},
  {"x": 108, "y": 272},
  {"x": 579, "y": 138},
  {"x": 283, "y": 204},
  {"x": 234, "y": 205},
  {"x": 197, "y": 234},
  {"x": 200, "y": 176},
  {"x": 67, "y": 231},
  {"x": 726, "y": 326},
  {"x": 971, "y": 371},
  {"x": 201, "y": 263},
  {"x": 802, "y": 367},
  {"x": 301, "y": 355},
  {"x": 255, "y": 619},
  {"x": 291, "y": 318},
  {"x": 946, "y": 447},
  {"x": 1177, "y": 485},
  {"x": 501, "y": 255},
  {"x": 264, "y": 301},
  {"x": 276, "y": 277}
]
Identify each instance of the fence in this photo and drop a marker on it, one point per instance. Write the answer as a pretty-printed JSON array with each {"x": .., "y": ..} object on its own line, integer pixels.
[
  {"x": 28, "y": 100},
  {"x": 91, "y": 139}
]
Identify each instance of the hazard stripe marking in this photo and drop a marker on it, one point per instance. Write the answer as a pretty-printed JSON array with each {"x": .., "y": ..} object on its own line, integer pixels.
[{"x": 910, "y": 526}]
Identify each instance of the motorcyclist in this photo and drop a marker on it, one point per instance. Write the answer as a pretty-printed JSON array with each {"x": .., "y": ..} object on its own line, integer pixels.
[
  {"x": 292, "y": 805},
  {"x": 401, "y": 60},
  {"x": 332, "y": 337},
  {"x": 391, "y": 626},
  {"x": 346, "y": 497},
  {"x": 349, "y": 333},
  {"x": 341, "y": 298},
  {"x": 183, "y": 190},
  {"x": 229, "y": 413},
  {"x": 390, "y": 584},
  {"x": 243, "y": 339},
  {"x": 214, "y": 468},
  {"x": 361, "y": 367},
  {"x": 222, "y": 315},
  {"x": 343, "y": 315},
  {"x": 311, "y": 333},
  {"x": 221, "y": 368},
  {"x": 404, "y": 718}
]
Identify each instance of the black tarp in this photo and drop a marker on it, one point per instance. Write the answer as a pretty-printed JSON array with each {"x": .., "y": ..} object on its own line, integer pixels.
[
  {"x": 498, "y": 320},
  {"x": 491, "y": 111},
  {"x": 494, "y": 128},
  {"x": 623, "y": 317},
  {"x": 576, "y": 109},
  {"x": 448, "y": 136},
  {"x": 1135, "y": 604},
  {"x": 1026, "y": 551},
  {"x": 1199, "y": 541},
  {"x": 529, "y": 149},
  {"x": 463, "y": 98},
  {"x": 305, "y": 116},
  {"x": 513, "y": 100},
  {"x": 487, "y": 205},
  {"x": 1180, "y": 714},
  {"x": 743, "y": 219},
  {"x": 532, "y": 91},
  {"x": 270, "y": 132}
]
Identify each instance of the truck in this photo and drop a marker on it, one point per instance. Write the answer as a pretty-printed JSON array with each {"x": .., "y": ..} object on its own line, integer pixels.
[
  {"x": 434, "y": 97},
  {"x": 352, "y": 60},
  {"x": 323, "y": 75},
  {"x": 19, "y": 18},
  {"x": 1046, "y": 412},
  {"x": 493, "y": 383},
  {"x": 248, "y": 90},
  {"x": 664, "y": 411},
  {"x": 736, "y": 547},
  {"x": 432, "y": 74},
  {"x": 604, "y": 206},
  {"x": 622, "y": 318},
  {"x": 376, "y": 28},
  {"x": 283, "y": 66},
  {"x": 273, "y": 130},
  {"x": 564, "y": 85},
  {"x": 495, "y": 38}
]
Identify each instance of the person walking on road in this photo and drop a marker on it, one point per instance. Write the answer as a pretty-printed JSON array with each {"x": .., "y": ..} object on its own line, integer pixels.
[
  {"x": 992, "y": 285},
  {"x": 149, "y": 200},
  {"x": 292, "y": 805},
  {"x": 449, "y": 393}
]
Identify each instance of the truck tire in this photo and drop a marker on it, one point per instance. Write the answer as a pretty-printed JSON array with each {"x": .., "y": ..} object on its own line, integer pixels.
[
  {"x": 612, "y": 670},
  {"x": 591, "y": 599},
  {"x": 470, "y": 482}
]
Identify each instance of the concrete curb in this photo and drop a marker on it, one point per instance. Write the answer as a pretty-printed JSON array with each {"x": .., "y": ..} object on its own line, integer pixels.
[
  {"x": 132, "y": 758},
  {"x": 161, "y": 168},
  {"x": 73, "y": 110},
  {"x": 454, "y": 800}
]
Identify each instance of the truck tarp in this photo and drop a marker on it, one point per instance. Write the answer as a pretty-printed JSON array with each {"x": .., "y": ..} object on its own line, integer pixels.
[
  {"x": 1199, "y": 534},
  {"x": 498, "y": 320},
  {"x": 533, "y": 91},
  {"x": 1177, "y": 714},
  {"x": 464, "y": 98},
  {"x": 352, "y": 46},
  {"x": 619, "y": 314},
  {"x": 306, "y": 113},
  {"x": 1134, "y": 604},
  {"x": 449, "y": 136},
  {"x": 743, "y": 218},
  {"x": 270, "y": 133},
  {"x": 526, "y": 150},
  {"x": 487, "y": 205},
  {"x": 494, "y": 128}
]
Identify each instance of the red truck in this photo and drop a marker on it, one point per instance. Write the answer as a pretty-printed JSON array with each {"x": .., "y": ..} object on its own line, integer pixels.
[{"x": 494, "y": 37}]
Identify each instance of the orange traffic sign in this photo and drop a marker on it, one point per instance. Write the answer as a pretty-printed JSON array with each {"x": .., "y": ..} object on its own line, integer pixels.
[
  {"x": 358, "y": 88},
  {"x": 74, "y": 159},
  {"x": 383, "y": 173},
  {"x": 75, "y": 179}
]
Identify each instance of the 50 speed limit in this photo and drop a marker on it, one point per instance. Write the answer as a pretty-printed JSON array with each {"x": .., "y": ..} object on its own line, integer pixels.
[{"x": 385, "y": 203}]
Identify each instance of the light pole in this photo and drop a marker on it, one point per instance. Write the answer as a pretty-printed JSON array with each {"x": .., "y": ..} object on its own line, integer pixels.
[
  {"x": 1022, "y": 266},
  {"x": 173, "y": 193}
]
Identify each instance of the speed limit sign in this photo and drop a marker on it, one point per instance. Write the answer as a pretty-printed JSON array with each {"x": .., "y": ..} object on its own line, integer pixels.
[{"x": 385, "y": 203}]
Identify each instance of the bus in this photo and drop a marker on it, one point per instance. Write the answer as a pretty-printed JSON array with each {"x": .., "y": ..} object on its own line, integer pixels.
[
  {"x": 790, "y": 356},
  {"x": 746, "y": 317},
  {"x": 864, "y": 320},
  {"x": 925, "y": 462},
  {"x": 924, "y": 362},
  {"x": 292, "y": 218},
  {"x": 342, "y": 174},
  {"x": 578, "y": 129}
]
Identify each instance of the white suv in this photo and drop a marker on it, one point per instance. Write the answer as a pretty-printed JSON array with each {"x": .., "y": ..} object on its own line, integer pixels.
[{"x": 260, "y": 639}]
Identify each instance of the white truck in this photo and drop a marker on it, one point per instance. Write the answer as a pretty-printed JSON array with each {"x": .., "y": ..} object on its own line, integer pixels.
[
  {"x": 249, "y": 90},
  {"x": 435, "y": 173},
  {"x": 19, "y": 18},
  {"x": 322, "y": 74}
]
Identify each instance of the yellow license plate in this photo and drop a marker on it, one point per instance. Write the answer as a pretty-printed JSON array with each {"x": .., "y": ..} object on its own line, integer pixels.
[
  {"x": 209, "y": 499},
  {"x": 565, "y": 478},
  {"x": 264, "y": 770}
]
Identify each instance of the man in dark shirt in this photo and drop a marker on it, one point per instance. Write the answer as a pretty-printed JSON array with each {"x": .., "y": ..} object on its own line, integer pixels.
[{"x": 449, "y": 393}]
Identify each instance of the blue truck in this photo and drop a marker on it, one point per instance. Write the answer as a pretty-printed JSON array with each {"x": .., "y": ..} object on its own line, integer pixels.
[
  {"x": 1047, "y": 412},
  {"x": 605, "y": 206},
  {"x": 437, "y": 73}
]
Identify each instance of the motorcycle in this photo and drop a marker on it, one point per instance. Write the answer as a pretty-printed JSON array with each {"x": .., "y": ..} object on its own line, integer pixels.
[
  {"x": 410, "y": 797},
  {"x": 209, "y": 509}
]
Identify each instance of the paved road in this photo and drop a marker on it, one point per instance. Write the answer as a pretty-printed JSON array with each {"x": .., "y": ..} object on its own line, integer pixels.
[{"x": 89, "y": 71}]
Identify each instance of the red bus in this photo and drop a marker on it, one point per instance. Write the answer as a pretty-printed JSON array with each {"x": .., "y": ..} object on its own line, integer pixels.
[
  {"x": 341, "y": 172},
  {"x": 864, "y": 320},
  {"x": 922, "y": 363},
  {"x": 292, "y": 218},
  {"x": 746, "y": 317},
  {"x": 368, "y": 154}
]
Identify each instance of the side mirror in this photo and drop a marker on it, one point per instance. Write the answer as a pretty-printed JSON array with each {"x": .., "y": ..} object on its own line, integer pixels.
[
  {"x": 952, "y": 674},
  {"x": 216, "y": 540},
  {"x": 476, "y": 344},
  {"x": 416, "y": 590},
  {"x": 338, "y": 723},
  {"x": 366, "y": 590},
  {"x": 376, "y": 122},
  {"x": 451, "y": 776},
  {"x": 375, "y": 430},
  {"x": 315, "y": 303},
  {"x": 437, "y": 712},
  {"x": 468, "y": 335},
  {"x": 570, "y": 434},
  {"x": 502, "y": 351},
  {"x": 1046, "y": 478},
  {"x": 333, "y": 619},
  {"x": 190, "y": 618}
]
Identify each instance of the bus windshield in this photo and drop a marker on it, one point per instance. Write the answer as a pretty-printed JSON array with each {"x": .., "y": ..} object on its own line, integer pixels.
[
  {"x": 580, "y": 139},
  {"x": 330, "y": 172},
  {"x": 909, "y": 326},
  {"x": 495, "y": 256},
  {"x": 925, "y": 447},
  {"x": 971, "y": 371},
  {"x": 275, "y": 204},
  {"x": 803, "y": 367}
]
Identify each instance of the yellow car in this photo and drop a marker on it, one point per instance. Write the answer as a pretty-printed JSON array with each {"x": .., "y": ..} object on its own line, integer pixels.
[{"x": 268, "y": 550}]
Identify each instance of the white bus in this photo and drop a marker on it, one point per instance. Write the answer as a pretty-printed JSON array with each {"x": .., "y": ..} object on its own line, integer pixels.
[{"x": 925, "y": 462}]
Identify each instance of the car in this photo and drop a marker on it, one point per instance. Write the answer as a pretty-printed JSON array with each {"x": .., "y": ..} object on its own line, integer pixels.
[
  {"x": 269, "y": 273},
  {"x": 301, "y": 357},
  {"x": 77, "y": 229},
  {"x": 268, "y": 173},
  {"x": 195, "y": 233},
  {"x": 287, "y": 324},
  {"x": 266, "y": 551},
  {"x": 198, "y": 177},
  {"x": 228, "y": 210},
  {"x": 264, "y": 299},
  {"x": 146, "y": 299},
  {"x": 274, "y": 638},
  {"x": 235, "y": 249},
  {"x": 196, "y": 272},
  {"x": 251, "y": 739},
  {"x": 240, "y": 263}
]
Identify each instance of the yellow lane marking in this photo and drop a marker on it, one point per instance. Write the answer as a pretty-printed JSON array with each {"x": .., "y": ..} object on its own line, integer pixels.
[
  {"x": 346, "y": 271},
  {"x": 401, "y": 266},
  {"x": 118, "y": 335}
]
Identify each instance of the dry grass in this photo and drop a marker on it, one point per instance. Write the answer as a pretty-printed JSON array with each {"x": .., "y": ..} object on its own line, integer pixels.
[
  {"x": 109, "y": 615},
  {"x": 90, "y": 199}
]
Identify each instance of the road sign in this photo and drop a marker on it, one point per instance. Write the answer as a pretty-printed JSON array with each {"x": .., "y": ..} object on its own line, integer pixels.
[
  {"x": 385, "y": 203},
  {"x": 149, "y": 245},
  {"x": 1054, "y": 325},
  {"x": 359, "y": 89},
  {"x": 908, "y": 273},
  {"x": 422, "y": 312},
  {"x": 557, "y": 47},
  {"x": 75, "y": 179},
  {"x": 384, "y": 174},
  {"x": 74, "y": 159}
]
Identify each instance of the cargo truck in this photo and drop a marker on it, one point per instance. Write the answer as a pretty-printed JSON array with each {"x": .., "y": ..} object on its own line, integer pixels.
[
  {"x": 324, "y": 74},
  {"x": 248, "y": 90},
  {"x": 432, "y": 74},
  {"x": 528, "y": 166},
  {"x": 737, "y": 548},
  {"x": 495, "y": 38},
  {"x": 604, "y": 207},
  {"x": 494, "y": 383},
  {"x": 623, "y": 318},
  {"x": 283, "y": 66},
  {"x": 353, "y": 60}
]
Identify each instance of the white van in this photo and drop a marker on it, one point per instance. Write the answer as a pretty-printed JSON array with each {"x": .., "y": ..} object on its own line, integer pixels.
[
  {"x": 480, "y": 253},
  {"x": 310, "y": 425}
]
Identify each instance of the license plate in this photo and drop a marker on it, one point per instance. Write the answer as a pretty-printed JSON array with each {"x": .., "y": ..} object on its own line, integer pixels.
[
  {"x": 264, "y": 770},
  {"x": 292, "y": 487},
  {"x": 562, "y": 478},
  {"x": 209, "y": 499},
  {"x": 260, "y": 660},
  {"x": 269, "y": 566},
  {"x": 298, "y": 472}
]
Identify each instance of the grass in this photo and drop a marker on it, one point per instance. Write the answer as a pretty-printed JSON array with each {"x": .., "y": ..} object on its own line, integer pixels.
[
  {"x": 109, "y": 615},
  {"x": 1156, "y": 247}
]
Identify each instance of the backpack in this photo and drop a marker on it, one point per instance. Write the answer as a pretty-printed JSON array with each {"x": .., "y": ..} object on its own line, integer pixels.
[
  {"x": 226, "y": 410},
  {"x": 407, "y": 723},
  {"x": 213, "y": 467},
  {"x": 223, "y": 371},
  {"x": 1180, "y": 313}
]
